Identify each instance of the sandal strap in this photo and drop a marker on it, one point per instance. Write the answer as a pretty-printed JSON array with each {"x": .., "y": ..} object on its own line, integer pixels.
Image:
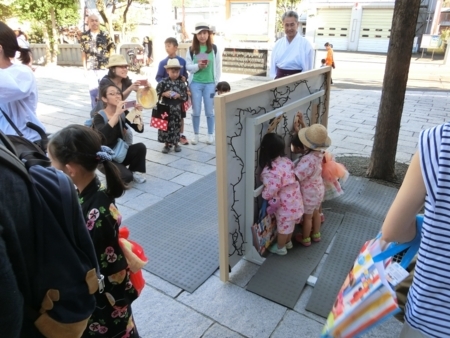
[{"x": 316, "y": 235}]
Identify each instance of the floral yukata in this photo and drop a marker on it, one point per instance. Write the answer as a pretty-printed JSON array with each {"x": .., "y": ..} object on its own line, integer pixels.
[
  {"x": 280, "y": 184},
  {"x": 112, "y": 316},
  {"x": 172, "y": 135},
  {"x": 309, "y": 173}
]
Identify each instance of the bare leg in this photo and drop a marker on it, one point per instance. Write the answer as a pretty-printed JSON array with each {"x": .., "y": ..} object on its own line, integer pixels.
[
  {"x": 289, "y": 237},
  {"x": 182, "y": 127},
  {"x": 282, "y": 240},
  {"x": 307, "y": 225},
  {"x": 316, "y": 221}
]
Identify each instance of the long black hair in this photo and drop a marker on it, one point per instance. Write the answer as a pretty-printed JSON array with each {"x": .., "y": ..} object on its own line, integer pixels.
[
  {"x": 79, "y": 144},
  {"x": 8, "y": 41},
  {"x": 272, "y": 146}
]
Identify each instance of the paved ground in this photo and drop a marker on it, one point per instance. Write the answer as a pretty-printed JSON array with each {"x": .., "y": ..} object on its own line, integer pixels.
[{"x": 219, "y": 309}]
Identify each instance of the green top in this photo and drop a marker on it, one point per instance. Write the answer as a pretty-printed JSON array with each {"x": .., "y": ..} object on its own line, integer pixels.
[{"x": 205, "y": 75}]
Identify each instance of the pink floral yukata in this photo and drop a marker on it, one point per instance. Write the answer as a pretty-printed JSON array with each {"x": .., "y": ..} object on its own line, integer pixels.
[
  {"x": 309, "y": 173},
  {"x": 279, "y": 182}
]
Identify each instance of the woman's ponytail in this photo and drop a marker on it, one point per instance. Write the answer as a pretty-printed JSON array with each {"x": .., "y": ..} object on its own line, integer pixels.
[
  {"x": 114, "y": 184},
  {"x": 25, "y": 55}
]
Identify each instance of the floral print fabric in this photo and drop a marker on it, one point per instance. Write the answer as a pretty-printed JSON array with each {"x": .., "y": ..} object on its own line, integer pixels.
[
  {"x": 97, "y": 51},
  {"x": 112, "y": 316},
  {"x": 280, "y": 183},
  {"x": 172, "y": 135},
  {"x": 309, "y": 173}
]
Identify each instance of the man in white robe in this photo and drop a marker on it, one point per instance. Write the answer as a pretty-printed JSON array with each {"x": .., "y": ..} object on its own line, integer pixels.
[{"x": 293, "y": 53}]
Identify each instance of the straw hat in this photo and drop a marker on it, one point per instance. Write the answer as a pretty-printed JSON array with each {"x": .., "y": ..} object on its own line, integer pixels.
[
  {"x": 201, "y": 26},
  {"x": 173, "y": 63},
  {"x": 147, "y": 97},
  {"x": 117, "y": 60},
  {"x": 315, "y": 137}
]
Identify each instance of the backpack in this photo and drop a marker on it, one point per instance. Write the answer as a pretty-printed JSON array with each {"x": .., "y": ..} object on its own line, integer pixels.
[
  {"x": 65, "y": 270},
  {"x": 191, "y": 52}
]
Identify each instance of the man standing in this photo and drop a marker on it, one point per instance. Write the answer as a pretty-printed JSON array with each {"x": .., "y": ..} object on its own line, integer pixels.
[
  {"x": 293, "y": 53},
  {"x": 96, "y": 47}
]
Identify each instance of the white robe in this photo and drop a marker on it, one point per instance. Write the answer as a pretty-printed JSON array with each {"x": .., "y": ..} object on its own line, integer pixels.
[
  {"x": 18, "y": 99},
  {"x": 295, "y": 55}
]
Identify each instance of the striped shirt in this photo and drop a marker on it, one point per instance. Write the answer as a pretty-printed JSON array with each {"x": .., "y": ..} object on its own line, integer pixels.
[{"x": 428, "y": 305}]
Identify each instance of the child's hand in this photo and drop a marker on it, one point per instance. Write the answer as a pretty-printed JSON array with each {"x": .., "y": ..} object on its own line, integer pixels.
[
  {"x": 138, "y": 106},
  {"x": 176, "y": 96},
  {"x": 166, "y": 94}
]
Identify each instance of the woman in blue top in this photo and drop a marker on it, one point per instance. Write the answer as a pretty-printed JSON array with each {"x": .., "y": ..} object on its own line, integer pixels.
[{"x": 205, "y": 67}]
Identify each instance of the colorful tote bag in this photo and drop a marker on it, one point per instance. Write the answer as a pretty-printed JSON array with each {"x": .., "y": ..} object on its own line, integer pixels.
[
  {"x": 368, "y": 295},
  {"x": 264, "y": 231},
  {"x": 160, "y": 117}
]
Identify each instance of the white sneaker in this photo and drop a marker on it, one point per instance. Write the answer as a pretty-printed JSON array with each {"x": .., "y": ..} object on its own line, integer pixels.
[
  {"x": 289, "y": 245},
  {"x": 276, "y": 250},
  {"x": 194, "y": 141},
  {"x": 138, "y": 178},
  {"x": 210, "y": 139}
]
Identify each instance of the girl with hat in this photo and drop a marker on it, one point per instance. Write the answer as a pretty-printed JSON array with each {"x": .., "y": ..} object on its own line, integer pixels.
[
  {"x": 173, "y": 91},
  {"x": 314, "y": 140},
  {"x": 204, "y": 64}
]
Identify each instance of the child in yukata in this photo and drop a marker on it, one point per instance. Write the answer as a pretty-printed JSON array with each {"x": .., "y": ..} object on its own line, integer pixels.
[
  {"x": 313, "y": 141},
  {"x": 174, "y": 92},
  {"x": 280, "y": 186}
]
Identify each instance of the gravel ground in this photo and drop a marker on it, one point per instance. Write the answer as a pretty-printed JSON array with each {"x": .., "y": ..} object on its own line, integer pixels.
[{"x": 357, "y": 166}]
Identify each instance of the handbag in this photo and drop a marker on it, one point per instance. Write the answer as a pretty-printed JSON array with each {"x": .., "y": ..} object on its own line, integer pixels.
[
  {"x": 160, "y": 116},
  {"x": 264, "y": 231},
  {"x": 187, "y": 105},
  {"x": 368, "y": 296},
  {"x": 121, "y": 147},
  {"x": 333, "y": 65}
]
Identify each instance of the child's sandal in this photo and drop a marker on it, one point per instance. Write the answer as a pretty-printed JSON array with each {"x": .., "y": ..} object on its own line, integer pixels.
[
  {"x": 303, "y": 241},
  {"x": 316, "y": 237}
]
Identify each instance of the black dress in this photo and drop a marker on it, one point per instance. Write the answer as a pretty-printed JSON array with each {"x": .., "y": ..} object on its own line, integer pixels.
[
  {"x": 172, "y": 135},
  {"x": 112, "y": 316},
  {"x": 135, "y": 159}
]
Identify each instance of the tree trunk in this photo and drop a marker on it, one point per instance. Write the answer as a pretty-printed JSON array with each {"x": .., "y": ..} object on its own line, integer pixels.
[
  {"x": 382, "y": 160},
  {"x": 53, "y": 37},
  {"x": 47, "y": 44},
  {"x": 184, "y": 34}
]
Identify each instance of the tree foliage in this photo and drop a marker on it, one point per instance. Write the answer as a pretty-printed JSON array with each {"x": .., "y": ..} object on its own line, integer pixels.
[
  {"x": 116, "y": 14},
  {"x": 52, "y": 14},
  {"x": 6, "y": 10},
  {"x": 282, "y": 7}
]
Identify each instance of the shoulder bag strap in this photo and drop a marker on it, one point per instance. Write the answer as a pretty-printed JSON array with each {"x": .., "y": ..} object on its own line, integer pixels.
[{"x": 11, "y": 123}]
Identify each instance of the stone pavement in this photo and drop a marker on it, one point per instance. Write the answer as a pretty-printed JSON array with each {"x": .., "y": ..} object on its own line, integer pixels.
[{"x": 219, "y": 309}]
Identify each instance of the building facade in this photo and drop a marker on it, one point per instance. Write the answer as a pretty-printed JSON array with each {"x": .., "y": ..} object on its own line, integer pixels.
[{"x": 363, "y": 26}]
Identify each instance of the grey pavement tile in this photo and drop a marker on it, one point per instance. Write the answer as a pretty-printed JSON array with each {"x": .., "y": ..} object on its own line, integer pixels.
[
  {"x": 131, "y": 193},
  {"x": 297, "y": 325},
  {"x": 195, "y": 155},
  {"x": 158, "y": 315},
  {"x": 218, "y": 331},
  {"x": 162, "y": 171},
  {"x": 340, "y": 126},
  {"x": 158, "y": 187},
  {"x": 159, "y": 283},
  {"x": 403, "y": 157},
  {"x": 142, "y": 201},
  {"x": 242, "y": 272},
  {"x": 318, "y": 269},
  {"x": 159, "y": 157},
  {"x": 186, "y": 178},
  {"x": 193, "y": 166},
  {"x": 235, "y": 308},
  {"x": 349, "y": 145},
  {"x": 405, "y": 149},
  {"x": 355, "y": 140},
  {"x": 212, "y": 162},
  {"x": 301, "y": 305},
  {"x": 125, "y": 212}
]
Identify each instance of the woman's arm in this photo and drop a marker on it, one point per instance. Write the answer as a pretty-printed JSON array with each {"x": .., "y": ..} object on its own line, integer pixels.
[
  {"x": 190, "y": 65},
  {"x": 132, "y": 87},
  {"x": 272, "y": 183},
  {"x": 400, "y": 222}
]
